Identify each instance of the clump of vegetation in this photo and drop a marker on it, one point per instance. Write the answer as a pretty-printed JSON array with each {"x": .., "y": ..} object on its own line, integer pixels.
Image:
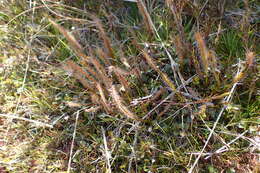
[{"x": 134, "y": 86}]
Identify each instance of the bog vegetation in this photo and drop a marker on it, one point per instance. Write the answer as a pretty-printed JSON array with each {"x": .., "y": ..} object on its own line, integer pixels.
[{"x": 129, "y": 86}]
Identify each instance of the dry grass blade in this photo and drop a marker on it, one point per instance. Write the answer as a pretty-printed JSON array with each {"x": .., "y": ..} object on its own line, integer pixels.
[
  {"x": 106, "y": 152},
  {"x": 37, "y": 123},
  {"x": 71, "y": 39},
  {"x": 73, "y": 142},
  {"x": 203, "y": 51},
  {"x": 118, "y": 100},
  {"x": 105, "y": 38},
  {"x": 146, "y": 17},
  {"x": 74, "y": 44},
  {"x": 71, "y": 66},
  {"x": 103, "y": 98}
]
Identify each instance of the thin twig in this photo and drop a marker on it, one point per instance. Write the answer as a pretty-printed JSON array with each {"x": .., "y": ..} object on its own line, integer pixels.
[
  {"x": 72, "y": 143},
  {"x": 174, "y": 114},
  {"x": 204, "y": 5},
  {"x": 222, "y": 149},
  {"x": 38, "y": 123},
  {"x": 225, "y": 147}
]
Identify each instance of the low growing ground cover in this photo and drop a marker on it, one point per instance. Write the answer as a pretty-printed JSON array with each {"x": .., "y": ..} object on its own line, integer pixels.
[{"x": 129, "y": 86}]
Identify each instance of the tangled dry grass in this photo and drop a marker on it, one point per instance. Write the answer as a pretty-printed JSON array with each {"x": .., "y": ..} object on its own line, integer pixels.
[{"x": 134, "y": 86}]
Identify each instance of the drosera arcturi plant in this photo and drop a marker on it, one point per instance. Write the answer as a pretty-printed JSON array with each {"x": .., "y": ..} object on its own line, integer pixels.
[
  {"x": 99, "y": 74},
  {"x": 101, "y": 71}
]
